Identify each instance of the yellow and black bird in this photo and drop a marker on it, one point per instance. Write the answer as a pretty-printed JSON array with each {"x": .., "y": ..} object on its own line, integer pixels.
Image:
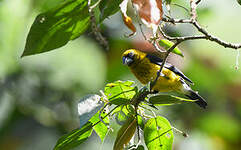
[{"x": 146, "y": 67}]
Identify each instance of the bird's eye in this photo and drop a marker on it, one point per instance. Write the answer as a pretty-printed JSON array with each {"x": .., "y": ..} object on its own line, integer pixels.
[{"x": 131, "y": 55}]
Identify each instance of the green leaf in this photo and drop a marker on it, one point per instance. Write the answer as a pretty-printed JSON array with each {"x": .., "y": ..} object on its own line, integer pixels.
[
  {"x": 108, "y": 8},
  {"x": 158, "y": 134},
  {"x": 168, "y": 100},
  {"x": 120, "y": 92},
  {"x": 140, "y": 122},
  {"x": 74, "y": 138},
  {"x": 140, "y": 147},
  {"x": 53, "y": 29},
  {"x": 120, "y": 117},
  {"x": 125, "y": 133},
  {"x": 100, "y": 128},
  {"x": 167, "y": 44},
  {"x": 239, "y": 1},
  {"x": 122, "y": 113}
]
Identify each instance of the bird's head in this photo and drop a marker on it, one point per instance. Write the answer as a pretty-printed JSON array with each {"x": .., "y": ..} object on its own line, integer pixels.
[{"x": 132, "y": 56}]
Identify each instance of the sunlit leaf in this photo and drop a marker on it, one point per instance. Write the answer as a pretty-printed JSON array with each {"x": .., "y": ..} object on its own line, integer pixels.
[
  {"x": 158, "y": 134},
  {"x": 100, "y": 129},
  {"x": 53, "y": 29},
  {"x": 125, "y": 133},
  {"x": 108, "y": 8},
  {"x": 168, "y": 100},
  {"x": 125, "y": 108},
  {"x": 120, "y": 92},
  {"x": 88, "y": 107},
  {"x": 140, "y": 122},
  {"x": 120, "y": 117},
  {"x": 150, "y": 12},
  {"x": 74, "y": 138},
  {"x": 167, "y": 44},
  {"x": 121, "y": 114}
]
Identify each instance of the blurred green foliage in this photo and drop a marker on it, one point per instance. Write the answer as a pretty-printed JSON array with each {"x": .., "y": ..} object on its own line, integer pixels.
[{"x": 38, "y": 94}]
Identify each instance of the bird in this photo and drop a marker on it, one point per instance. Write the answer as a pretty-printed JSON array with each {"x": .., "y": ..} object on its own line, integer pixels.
[{"x": 146, "y": 67}]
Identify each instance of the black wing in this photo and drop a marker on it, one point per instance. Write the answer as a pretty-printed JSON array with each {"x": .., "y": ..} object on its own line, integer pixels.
[{"x": 158, "y": 61}]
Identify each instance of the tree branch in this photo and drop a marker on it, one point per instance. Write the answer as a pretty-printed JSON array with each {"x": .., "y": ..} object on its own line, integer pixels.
[
  {"x": 99, "y": 37},
  {"x": 193, "y": 21},
  {"x": 206, "y": 36},
  {"x": 193, "y": 12},
  {"x": 215, "y": 39},
  {"x": 164, "y": 61}
]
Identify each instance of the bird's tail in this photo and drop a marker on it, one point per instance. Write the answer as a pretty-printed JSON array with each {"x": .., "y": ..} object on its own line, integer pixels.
[{"x": 195, "y": 96}]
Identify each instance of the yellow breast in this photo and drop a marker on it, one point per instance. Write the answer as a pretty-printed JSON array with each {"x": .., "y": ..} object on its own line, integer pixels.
[{"x": 145, "y": 71}]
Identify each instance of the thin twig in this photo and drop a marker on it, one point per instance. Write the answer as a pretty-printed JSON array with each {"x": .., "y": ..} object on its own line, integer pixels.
[
  {"x": 193, "y": 21},
  {"x": 207, "y": 35},
  {"x": 193, "y": 7},
  {"x": 174, "y": 21},
  {"x": 178, "y": 5},
  {"x": 99, "y": 37},
  {"x": 179, "y": 131},
  {"x": 215, "y": 39},
  {"x": 137, "y": 125},
  {"x": 184, "y": 38},
  {"x": 164, "y": 61}
]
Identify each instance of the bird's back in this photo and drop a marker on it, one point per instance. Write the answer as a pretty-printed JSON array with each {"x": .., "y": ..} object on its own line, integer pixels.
[{"x": 145, "y": 71}]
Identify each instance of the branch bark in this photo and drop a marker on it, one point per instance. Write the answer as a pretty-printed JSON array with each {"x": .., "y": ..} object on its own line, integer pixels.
[{"x": 193, "y": 21}]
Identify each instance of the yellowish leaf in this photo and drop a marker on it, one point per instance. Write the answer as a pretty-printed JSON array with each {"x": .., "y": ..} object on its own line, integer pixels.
[
  {"x": 126, "y": 19},
  {"x": 128, "y": 22},
  {"x": 125, "y": 133}
]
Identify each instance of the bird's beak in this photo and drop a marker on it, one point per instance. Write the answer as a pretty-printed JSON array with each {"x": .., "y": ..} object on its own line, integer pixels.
[{"x": 127, "y": 60}]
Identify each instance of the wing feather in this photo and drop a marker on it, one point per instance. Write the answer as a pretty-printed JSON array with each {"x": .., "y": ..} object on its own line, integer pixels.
[{"x": 158, "y": 61}]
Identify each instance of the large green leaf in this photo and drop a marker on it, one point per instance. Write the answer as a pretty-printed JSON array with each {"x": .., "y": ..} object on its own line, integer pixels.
[
  {"x": 120, "y": 92},
  {"x": 125, "y": 133},
  {"x": 168, "y": 100},
  {"x": 167, "y": 44},
  {"x": 100, "y": 128},
  {"x": 74, "y": 138},
  {"x": 56, "y": 27},
  {"x": 108, "y": 8},
  {"x": 158, "y": 134}
]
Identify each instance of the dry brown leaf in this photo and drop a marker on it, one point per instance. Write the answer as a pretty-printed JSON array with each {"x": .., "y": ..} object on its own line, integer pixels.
[
  {"x": 126, "y": 19},
  {"x": 150, "y": 12}
]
